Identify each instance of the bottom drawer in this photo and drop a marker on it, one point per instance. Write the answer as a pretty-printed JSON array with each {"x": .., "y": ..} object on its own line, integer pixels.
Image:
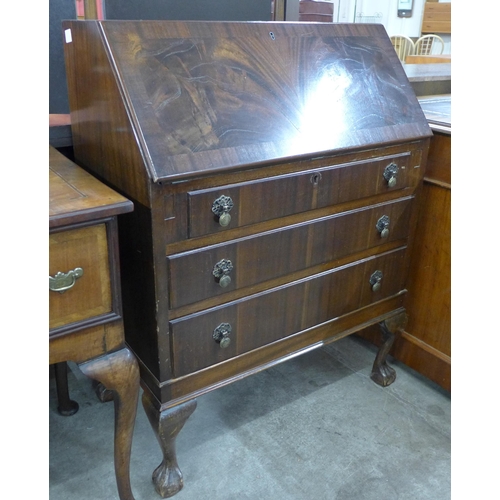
[{"x": 217, "y": 334}]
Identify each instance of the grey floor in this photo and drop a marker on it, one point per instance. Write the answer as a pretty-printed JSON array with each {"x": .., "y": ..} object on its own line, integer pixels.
[{"x": 313, "y": 428}]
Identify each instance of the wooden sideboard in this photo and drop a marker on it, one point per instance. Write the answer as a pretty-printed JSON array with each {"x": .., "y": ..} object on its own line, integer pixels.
[
  {"x": 85, "y": 310},
  {"x": 436, "y": 18},
  {"x": 273, "y": 168}
]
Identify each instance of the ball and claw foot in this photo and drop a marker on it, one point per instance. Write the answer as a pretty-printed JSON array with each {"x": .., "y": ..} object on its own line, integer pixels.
[
  {"x": 167, "y": 480},
  {"x": 383, "y": 374},
  {"x": 167, "y": 477}
]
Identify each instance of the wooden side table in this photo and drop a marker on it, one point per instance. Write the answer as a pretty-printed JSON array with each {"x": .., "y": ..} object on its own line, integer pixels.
[{"x": 85, "y": 318}]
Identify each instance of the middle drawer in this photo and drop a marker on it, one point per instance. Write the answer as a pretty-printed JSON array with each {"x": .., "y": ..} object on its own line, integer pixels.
[{"x": 212, "y": 271}]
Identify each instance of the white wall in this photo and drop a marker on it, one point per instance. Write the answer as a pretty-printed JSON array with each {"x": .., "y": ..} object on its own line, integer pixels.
[{"x": 377, "y": 11}]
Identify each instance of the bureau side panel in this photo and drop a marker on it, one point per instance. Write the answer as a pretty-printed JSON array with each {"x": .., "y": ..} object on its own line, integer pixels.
[
  {"x": 143, "y": 303},
  {"x": 104, "y": 141}
]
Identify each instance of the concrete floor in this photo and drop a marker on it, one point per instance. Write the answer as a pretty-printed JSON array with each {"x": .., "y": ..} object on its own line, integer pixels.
[{"x": 313, "y": 428}]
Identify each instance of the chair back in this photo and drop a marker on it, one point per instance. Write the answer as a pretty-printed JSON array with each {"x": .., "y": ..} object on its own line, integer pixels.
[
  {"x": 429, "y": 44},
  {"x": 403, "y": 46},
  {"x": 316, "y": 11}
]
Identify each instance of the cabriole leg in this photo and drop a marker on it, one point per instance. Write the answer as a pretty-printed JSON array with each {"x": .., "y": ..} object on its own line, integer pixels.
[
  {"x": 119, "y": 372},
  {"x": 166, "y": 425},
  {"x": 66, "y": 406},
  {"x": 383, "y": 374}
]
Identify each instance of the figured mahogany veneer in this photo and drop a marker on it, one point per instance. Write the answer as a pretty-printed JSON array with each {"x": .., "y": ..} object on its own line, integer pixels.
[{"x": 274, "y": 169}]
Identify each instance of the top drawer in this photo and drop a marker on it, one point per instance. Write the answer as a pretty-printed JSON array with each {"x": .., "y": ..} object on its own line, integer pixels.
[
  {"x": 236, "y": 205},
  {"x": 79, "y": 270}
]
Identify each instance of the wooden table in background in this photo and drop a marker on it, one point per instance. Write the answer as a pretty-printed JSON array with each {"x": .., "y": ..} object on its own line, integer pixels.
[
  {"x": 85, "y": 318},
  {"x": 428, "y": 59}
]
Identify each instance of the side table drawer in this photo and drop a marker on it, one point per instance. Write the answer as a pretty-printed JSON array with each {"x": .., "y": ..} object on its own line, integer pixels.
[{"x": 86, "y": 293}]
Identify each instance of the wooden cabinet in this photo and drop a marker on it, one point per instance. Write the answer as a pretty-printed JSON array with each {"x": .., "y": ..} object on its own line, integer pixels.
[
  {"x": 436, "y": 18},
  {"x": 425, "y": 342},
  {"x": 274, "y": 170},
  {"x": 425, "y": 345},
  {"x": 85, "y": 309}
]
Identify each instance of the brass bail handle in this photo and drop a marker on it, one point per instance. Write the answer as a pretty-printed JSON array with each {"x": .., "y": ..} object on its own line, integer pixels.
[
  {"x": 221, "y": 272},
  {"x": 221, "y": 335},
  {"x": 221, "y": 208},
  {"x": 64, "y": 281},
  {"x": 390, "y": 174}
]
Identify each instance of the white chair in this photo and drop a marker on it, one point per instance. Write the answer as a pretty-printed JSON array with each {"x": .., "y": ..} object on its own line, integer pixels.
[
  {"x": 429, "y": 44},
  {"x": 403, "y": 46}
]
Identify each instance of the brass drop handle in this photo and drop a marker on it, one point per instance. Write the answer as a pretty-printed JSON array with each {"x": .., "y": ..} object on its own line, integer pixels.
[
  {"x": 221, "y": 208},
  {"x": 64, "y": 281},
  {"x": 221, "y": 272},
  {"x": 383, "y": 226},
  {"x": 390, "y": 174},
  {"x": 221, "y": 335},
  {"x": 376, "y": 281}
]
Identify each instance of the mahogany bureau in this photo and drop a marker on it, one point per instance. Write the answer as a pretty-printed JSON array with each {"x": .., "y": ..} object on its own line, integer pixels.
[
  {"x": 85, "y": 316},
  {"x": 273, "y": 169}
]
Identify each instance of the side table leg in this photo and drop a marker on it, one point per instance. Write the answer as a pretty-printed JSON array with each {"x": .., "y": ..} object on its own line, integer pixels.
[
  {"x": 166, "y": 425},
  {"x": 104, "y": 395},
  {"x": 66, "y": 406},
  {"x": 119, "y": 372},
  {"x": 383, "y": 374}
]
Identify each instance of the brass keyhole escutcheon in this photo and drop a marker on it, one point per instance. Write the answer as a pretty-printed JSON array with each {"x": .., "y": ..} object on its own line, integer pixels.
[
  {"x": 383, "y": 226},
  {"x": 221, "y": 208},
  {"x": 221, "y": 335},
  {"x": 376, "y": 281},
  {"x": 315, "y": 178}
]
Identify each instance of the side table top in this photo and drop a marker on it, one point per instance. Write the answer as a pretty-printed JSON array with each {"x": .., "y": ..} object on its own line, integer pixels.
[
  {"x": 76, "y": 196},
  {"x": 437, "y": 110}
]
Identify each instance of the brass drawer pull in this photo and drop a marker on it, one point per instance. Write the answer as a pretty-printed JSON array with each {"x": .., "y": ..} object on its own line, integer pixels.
[
  {"x": 221, "y": 272},
  {"x": 390, "y": 174},
  {"x": 221, "y": 335},
  {"x": 376, "y": 280},
  {"x": 383, "y": 226},
  {"x": 64, "y": 281},
  {"x": 221, "y": 208}
]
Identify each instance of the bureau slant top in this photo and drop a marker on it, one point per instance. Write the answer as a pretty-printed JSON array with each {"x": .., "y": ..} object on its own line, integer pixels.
[
  {"x": 75, "y": 196},
  {"x": 200, "y": 98}
]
